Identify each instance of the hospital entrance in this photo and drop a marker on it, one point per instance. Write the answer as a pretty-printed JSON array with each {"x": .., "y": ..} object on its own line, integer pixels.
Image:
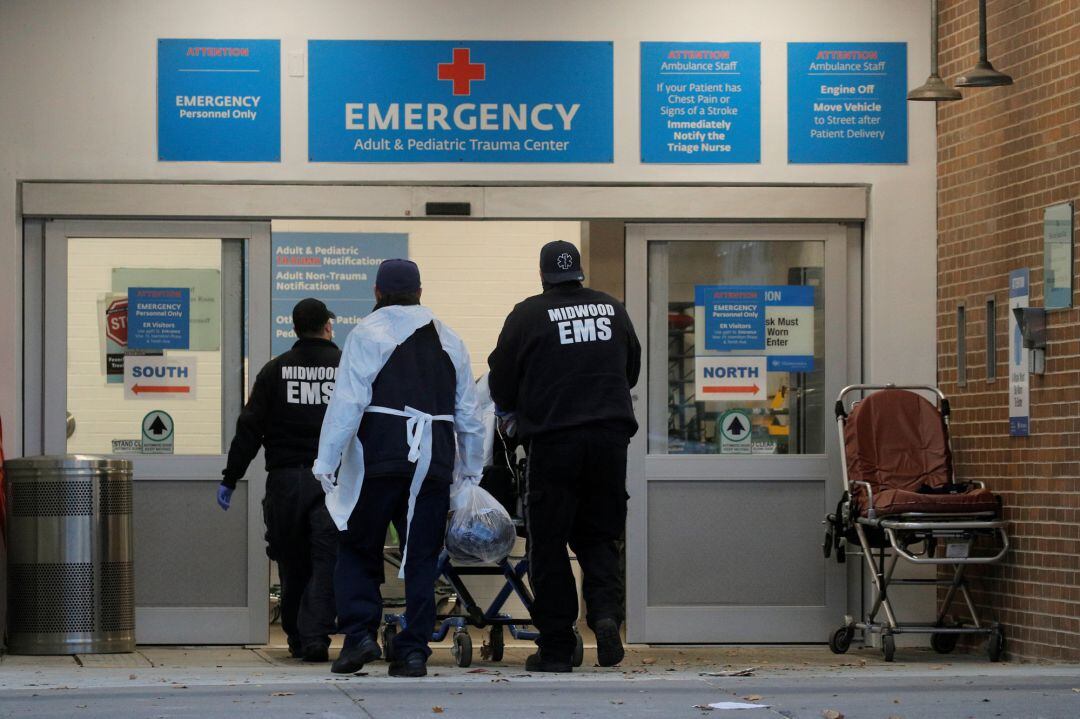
[{"x": 748, "y": 331}]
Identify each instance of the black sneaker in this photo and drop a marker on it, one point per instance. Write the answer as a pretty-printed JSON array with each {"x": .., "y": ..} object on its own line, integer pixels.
[
  {"x": 538, "y": 663},
  {"x": 354, "y": 658},
  {"x": 609, "y": 648},
  {"x": 414, "y": 665},
  {"x": 316, "y": 653}
]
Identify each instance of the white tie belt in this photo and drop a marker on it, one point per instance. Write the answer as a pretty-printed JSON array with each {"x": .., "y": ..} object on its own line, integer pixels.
[{"x": 418, "y": 437}]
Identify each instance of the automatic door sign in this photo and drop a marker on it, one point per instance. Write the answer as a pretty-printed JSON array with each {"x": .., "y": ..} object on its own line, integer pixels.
[
  {"x": 735, "y": 432},
  {"x": 159, "y": 377},
  {"x": 723, "y": 379},
  {"x": 157, "y": 433}
]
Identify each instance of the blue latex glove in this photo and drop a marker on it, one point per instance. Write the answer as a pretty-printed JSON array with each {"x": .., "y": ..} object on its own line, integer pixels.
[{"x": 224, "y": 496}]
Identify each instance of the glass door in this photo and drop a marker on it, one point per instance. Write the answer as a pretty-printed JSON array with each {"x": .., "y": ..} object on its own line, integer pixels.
[
  {"x": 736, "y": 462},
  {"x": 148, "y": 343}
]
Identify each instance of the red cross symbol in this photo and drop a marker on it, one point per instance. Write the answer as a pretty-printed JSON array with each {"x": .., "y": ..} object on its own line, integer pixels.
[{"x": 461, "y": 71}]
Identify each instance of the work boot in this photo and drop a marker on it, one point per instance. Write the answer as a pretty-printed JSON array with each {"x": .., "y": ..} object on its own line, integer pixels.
[
  {"x": 353, "y": 659},
  {"x": 413, "y": 665},
  {"x": 609, "y": 648},
  {"x": 295, "y": 650},
  {"x": 316, "y": 653},
  {"x": 539, "y": 663}
]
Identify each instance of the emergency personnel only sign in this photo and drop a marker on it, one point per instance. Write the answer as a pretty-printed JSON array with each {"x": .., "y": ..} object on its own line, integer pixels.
[
  {"x": 159, "y": 377},
  {"x": 721, "y": 379}
]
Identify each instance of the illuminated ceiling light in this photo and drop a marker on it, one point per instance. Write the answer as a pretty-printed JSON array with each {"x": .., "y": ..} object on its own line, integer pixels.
[
  {"x": 934, "y": 89},
  {"x": 983, "y": 74}
]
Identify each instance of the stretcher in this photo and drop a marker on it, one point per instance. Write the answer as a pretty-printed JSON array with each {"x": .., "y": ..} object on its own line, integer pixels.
[
  {"x": 456, "y": 608},
  {"x": 901, "y": 501}
]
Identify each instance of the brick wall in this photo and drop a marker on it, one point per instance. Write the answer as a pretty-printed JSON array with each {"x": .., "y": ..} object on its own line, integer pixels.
[{"x": 1004, "y": 154}]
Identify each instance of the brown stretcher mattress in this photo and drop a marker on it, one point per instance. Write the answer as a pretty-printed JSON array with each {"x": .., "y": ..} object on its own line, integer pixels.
[{"x": 897, "y": 441}]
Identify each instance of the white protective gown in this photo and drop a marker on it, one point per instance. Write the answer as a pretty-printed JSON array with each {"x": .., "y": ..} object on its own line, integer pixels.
[{"x": 367, "y": 348}]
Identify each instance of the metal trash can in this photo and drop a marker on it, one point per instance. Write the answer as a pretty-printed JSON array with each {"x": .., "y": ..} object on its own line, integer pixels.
[{"x": 70, "y": 582}]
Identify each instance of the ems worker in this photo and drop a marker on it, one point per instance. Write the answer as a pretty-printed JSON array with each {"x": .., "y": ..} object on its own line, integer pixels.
[
  {"x": 284, "y": 414},
  {"x": 563, "y": 367},
  {"x": 404, "y": 389}
]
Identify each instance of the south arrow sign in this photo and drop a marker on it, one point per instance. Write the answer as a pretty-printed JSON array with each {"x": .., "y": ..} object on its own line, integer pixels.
[{"x": 159, "y": 377}]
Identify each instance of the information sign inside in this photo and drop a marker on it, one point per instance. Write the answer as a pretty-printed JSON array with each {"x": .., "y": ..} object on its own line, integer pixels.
[
  {"x": 336, "y": 267},
  {"x": 159, "y": 318}
]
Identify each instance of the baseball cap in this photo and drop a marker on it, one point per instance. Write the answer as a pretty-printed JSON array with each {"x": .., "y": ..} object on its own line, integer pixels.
[
  {"x": 310, "y": 314},
  {"x": 398, "y": 276},
  {"x": 560, "y": 261}
]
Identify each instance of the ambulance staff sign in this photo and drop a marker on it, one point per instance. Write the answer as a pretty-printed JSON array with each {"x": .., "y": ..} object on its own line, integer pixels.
[
  {"x": 847, "y": 102},
  {"x": 219, "y": 100},
  {"x": 433, "y": 101}
]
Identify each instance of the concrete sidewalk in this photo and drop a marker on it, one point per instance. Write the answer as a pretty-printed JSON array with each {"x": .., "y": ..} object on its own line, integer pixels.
[{"x": 795, "y": 681}]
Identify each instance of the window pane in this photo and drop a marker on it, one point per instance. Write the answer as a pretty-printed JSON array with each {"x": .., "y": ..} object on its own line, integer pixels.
[
  {"x": 187, "y": 274},
  {"x": 740, "y": 326}
]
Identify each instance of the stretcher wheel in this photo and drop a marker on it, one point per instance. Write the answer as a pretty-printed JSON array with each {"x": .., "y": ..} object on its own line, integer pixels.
[
  {"x": 944, "y": 643},
  {"x": 888, "y": 647},
  {"x": 492, "y": 650},
  {"x": 840, "y": 640},
  {"x": 995, "y": 647},
  {"x": 462, "y": 649},
  {"x": 578, "y": 656},
  {"x": 389, "y": 631}
]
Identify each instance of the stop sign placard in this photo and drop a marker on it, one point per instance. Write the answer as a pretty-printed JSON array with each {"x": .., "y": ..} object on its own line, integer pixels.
[{"x": 116, "y": 321}]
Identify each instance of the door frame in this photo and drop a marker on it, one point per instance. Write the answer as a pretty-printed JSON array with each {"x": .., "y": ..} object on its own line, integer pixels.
[
  {"x": 47, "y": 352},
  {"x": 842, "y": 277},
  {"x": 42, "y": 202}
]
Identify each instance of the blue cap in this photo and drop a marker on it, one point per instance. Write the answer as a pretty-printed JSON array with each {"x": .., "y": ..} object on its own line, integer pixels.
[{"x": 398, "y": 277}]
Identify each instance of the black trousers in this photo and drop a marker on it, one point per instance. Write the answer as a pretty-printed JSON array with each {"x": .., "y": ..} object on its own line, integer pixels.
[
  {"x": 302, "y": 539},
  {"x": 576, "y": 495},
  {"x": 359, "y": 573}
]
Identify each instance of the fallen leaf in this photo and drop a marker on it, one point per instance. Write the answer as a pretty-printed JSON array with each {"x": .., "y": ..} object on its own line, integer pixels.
[
  {"x": 131, "y": 676},
  {"x": 282, "y": 694},
  {"x": 649, "y": 660},
  {"x": 616, "y": 701},
  {"x": 477, "y": 671},
  {"x": 179, "y": 686},
  {"x": 703, "y": 707},
  {"x": 757, "y": 698},
  {"x": 741, "y": 673},
  {"x": 832, "y": 714},
  {"x": 437, "y": 710}
]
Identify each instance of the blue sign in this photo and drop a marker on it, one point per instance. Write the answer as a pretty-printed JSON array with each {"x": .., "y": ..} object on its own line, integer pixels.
[
  {"x": 700, "y": 102},
  {"x": 336, "y": 267},
  {"x": 847, "y": 102},
  {"x": 428, "y": 101},
  {"x": 774, "y": 320},
  {"x": 1019, "y": 377},
  {"x": 159, "y": 318},
  {"x": 219, "y": 100},
  {"x": 734, "y": 318}
]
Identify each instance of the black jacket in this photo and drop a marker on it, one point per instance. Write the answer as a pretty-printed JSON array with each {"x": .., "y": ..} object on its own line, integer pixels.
[
  {"x": 285, "y": 410},
  {"x": 567, "y": 358},
  {"x": 418, "y": 374}
]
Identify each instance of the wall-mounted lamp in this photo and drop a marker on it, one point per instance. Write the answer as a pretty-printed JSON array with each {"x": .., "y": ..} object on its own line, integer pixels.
[
  {"x": 1031, "y": 321},
  {"x": 934, "y": 89},
  {"x": 983, "y": 74}
]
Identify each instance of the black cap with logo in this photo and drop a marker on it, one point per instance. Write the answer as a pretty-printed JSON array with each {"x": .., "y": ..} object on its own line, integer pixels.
[
  {"x": 560, "y": 261},
  {"x": 310, "y": 315}
]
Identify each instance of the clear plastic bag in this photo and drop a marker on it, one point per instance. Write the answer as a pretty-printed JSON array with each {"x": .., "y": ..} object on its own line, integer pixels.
[{"x": 480, "y": 530}]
